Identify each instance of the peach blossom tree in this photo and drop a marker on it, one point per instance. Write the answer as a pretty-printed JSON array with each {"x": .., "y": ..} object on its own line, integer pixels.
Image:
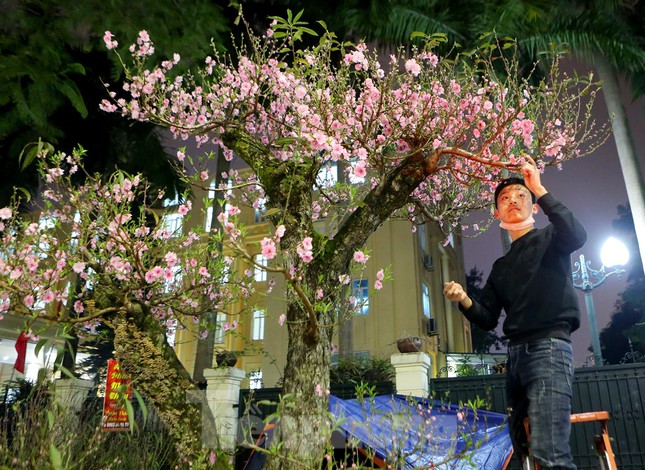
[{"x": 102, "y": 252}]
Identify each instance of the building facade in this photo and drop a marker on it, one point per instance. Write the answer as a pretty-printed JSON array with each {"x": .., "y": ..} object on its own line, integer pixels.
[{"x": 411, "y": 305}]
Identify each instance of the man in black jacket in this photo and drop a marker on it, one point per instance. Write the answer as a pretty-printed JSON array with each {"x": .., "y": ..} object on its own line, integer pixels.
[{"x": 532, "y": 284}]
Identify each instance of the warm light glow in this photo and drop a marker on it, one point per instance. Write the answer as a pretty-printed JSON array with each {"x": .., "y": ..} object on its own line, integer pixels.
[{"x": 614, "y": 253}]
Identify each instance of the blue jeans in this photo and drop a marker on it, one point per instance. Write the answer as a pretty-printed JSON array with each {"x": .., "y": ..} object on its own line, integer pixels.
[{"x": 539, "y": 385}]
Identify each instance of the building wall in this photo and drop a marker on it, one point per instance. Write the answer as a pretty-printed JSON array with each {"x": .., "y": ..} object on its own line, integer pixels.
[{"x": 395, "y": 312}]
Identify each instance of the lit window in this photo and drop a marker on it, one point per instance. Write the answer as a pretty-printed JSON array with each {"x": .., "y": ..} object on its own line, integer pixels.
[
  {"x": 327, "y": 175},
  {"x": 423, "y": 239},
  {"x": 172, "y": 221},
  {"x": 171, "y": 332},
  {"x": 255, "y": 379},
  {"x": 335, "y": 357},
  {"x": 259, "y": 273},
  {"x": 257, "y": 328},
  {"x": 220, "y": 334},
  {"x": 209, "y": 209},
  {"x": 260, "y": 210},
  {"x": 45, "y": 224},
  {"x": 425, "y": 301},
  {"x": 360, "y": 292},
  {"x": 212, "y": 195}
]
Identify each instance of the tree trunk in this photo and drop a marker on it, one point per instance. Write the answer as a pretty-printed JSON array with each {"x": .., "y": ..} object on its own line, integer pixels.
[
  {"x": 626, "y": 152},
  {"x": 304, "y": 429},
  {"x": 146, "y": 357}
]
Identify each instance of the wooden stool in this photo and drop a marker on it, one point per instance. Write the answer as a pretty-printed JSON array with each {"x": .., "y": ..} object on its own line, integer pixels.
[{"x": 601, "y": 442}]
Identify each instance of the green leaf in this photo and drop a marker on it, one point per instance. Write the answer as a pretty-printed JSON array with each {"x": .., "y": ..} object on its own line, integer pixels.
[
  {"x": 271, "y": 211},
  {"x": 55, "y": 457},
  {"x": 142, "y": 405},
  {"x": 32, "y": 150},
  {"x": 130, "y": 410},
  {"x": 65, "y": 371},
  {"x": 39, "y": 345},
  {"x": 25, "y": 192}
]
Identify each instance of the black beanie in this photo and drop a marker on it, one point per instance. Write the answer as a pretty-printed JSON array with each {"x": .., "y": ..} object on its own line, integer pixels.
[{"x": 508, "y": 182}]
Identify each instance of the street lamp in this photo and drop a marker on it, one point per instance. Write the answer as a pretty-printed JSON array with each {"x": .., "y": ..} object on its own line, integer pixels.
[{"x": 613, "y": 255}]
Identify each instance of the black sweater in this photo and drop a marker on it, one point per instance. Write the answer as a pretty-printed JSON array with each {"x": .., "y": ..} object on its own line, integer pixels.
[{"x": 532, "y": 282}]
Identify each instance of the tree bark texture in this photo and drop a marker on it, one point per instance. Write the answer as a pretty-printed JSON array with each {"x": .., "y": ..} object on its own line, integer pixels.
[{"x": 145, "y": 356}]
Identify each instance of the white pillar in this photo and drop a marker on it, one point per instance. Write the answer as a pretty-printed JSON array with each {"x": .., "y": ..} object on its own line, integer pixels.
[
  {"x": 71, "y": 393},
  {"x": 412, "y": 373},
  {"x": 223, "y": 396}
]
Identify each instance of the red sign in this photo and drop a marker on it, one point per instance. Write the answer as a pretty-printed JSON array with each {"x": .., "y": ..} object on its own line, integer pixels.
[{"x": 117, "y": 389}]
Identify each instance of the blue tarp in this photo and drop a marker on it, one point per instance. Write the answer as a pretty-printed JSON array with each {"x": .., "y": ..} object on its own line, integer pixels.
[{"x": 425, "y": 432}]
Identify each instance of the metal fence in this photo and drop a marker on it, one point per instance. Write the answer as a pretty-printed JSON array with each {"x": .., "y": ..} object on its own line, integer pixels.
[{"x": 617, "y": 389}]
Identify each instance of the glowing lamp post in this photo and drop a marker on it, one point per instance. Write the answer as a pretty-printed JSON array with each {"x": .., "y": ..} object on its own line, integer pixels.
[{"x": 613, "y": 255}]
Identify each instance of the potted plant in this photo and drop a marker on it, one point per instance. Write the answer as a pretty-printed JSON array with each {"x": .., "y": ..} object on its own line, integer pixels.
[
  {"x": 226, "y": 358},
  {"x": 409, "y": 344}
]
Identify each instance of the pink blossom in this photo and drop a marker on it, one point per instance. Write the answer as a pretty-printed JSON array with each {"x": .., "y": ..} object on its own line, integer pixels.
[
  {"x": 154, "y": 274},
  {"x": 79, "y": 307},
  {"x": 180, "y": 155},
  {"x": 268, "y": 248},
  {"x": 185, "y": 208},
  {"x": 304, "y": 250},
  {"x": 360, "y": 171},
  {"x": 281, "y": 319},
  {"x": 5, "y": 213},
  {"x": 413, "y": 67},
  {"x": 204, "y": 272},
  {"x": 279, "y": 232},
  {"x": 29, "y": 300},
  {"x": 48, "y": 297},
  {"x": 378, "y": 285},
  {"x": 306, "y": 243},
  {"x": 319, "y": 390},
  {"x": 31, "y": 229},
  {"x": 110, "y": 43},
  {"x": 171, "y": 259},
  {"x": 343, "y": 279},
  {"x": 360, "y": 257},
  {"x": 203, "y": 175},
  {"x": 319, "y": 294},
  {"x": 16, "y": 273},
  {"x": 78, "y": 267},
  {"x": 380, "y": 275}
]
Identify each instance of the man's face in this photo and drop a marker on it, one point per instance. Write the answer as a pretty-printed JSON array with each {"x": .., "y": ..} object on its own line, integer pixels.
[{"x": 514, "y": 204}]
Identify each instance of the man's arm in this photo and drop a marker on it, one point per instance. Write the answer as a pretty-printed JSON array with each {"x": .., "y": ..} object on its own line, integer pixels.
[
  {"x": 456, "y": 293},
  {"x": 532, "y": 178},
  {"x": 483, "y": 317},
  {"x": 571, "y": 234}
]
